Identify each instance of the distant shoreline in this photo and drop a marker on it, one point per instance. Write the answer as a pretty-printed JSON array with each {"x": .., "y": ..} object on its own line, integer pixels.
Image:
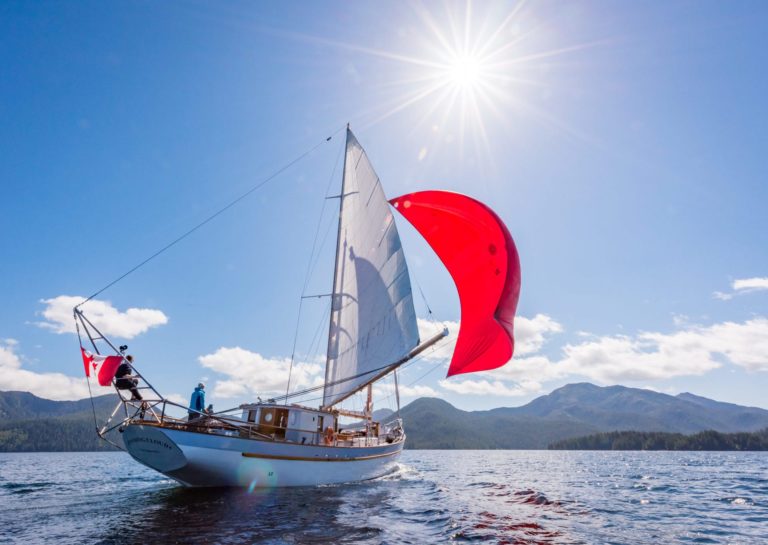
[{"x": 705, "y": 441}]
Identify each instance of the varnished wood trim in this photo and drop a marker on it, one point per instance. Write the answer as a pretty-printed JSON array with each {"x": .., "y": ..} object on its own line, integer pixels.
[
  {"x": 318, "y": 458},
  {"x": 264, "y": 439}
]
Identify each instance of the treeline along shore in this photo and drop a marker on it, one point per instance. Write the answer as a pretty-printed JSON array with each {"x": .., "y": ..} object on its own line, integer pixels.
[{"x": 645, "y": 440}]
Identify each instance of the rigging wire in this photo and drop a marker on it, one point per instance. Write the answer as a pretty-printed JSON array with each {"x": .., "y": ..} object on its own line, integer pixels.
[
  {"x": 314, "y": 346},
  {"x": 258, "y": 186},
  {"x": 423, "y": 297},
  {"x": 434, "y": 367},
  {"x": 308, "y": 274},
  {"x": 310, "y": 268},
  {"x": 322, "y": 245},
  {"x": 430, "y": 317},
  {"x": 88, "y": 379}
]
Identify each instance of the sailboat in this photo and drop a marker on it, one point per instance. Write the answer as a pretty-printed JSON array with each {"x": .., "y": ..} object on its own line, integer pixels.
[{"x": 372, "y": 332}]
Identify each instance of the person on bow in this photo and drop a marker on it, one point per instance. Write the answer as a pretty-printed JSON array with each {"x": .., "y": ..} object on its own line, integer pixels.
[
  {"x": 197, "y": 402},
  {"x": 124, "y": 380}
]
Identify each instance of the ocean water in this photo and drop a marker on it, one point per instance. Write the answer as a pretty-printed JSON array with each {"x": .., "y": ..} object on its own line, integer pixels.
[{"x": 433, "y": 497}]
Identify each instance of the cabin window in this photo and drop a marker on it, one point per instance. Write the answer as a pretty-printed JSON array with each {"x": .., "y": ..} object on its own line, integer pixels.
[
  {"x": 251, "y": 416},
  {"x": 292, "y": 418},
  {"x": 272, "y": 421}
]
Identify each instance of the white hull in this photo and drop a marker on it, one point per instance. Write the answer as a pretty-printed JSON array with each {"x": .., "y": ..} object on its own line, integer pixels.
[{"x": 205, "y": 459}]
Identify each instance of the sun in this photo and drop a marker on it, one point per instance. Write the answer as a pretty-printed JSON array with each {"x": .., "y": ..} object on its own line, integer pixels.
[{"x": 465, "y": 72}]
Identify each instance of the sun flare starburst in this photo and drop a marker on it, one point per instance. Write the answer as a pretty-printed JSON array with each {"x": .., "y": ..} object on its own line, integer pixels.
[
  {"x": 463, "y": 72},
  {"x": 460, "y": 74}
]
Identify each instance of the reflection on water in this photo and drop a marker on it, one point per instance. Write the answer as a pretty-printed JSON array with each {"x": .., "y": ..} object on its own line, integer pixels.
[
  {"x": 521, "y": 497},
  {"x": 308, "y": 515}
]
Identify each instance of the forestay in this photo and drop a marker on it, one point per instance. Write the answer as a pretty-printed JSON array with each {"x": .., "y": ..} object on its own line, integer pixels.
[{"x": 373, "y": 323}]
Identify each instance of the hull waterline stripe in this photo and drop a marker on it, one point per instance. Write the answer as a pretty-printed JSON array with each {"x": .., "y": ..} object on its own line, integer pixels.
[{"x": 317, "y": 459}]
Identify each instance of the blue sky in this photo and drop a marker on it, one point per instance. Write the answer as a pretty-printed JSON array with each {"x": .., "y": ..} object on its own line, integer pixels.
[{"x": 622, "y": 143}]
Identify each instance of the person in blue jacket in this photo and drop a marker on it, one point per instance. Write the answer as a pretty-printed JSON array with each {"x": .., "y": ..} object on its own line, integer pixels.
[{"x": 197, "y": 402}]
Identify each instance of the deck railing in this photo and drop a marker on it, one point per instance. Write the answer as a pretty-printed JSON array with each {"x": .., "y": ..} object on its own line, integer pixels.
[{"x": 153, "y": 412}]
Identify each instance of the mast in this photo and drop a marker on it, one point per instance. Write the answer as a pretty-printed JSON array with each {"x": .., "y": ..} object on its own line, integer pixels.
[
  {"x": 397, "y": 392},
  {"x": 331, "y": 337}
]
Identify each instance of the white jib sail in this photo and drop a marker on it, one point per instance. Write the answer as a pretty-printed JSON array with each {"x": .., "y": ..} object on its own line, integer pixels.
[{"x": 373, "y": 322}]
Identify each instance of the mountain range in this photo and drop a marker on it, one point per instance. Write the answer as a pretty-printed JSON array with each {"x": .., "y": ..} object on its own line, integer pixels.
[
  {"x": 572, "y": 411},
  {"x": 28, "y": 422}
]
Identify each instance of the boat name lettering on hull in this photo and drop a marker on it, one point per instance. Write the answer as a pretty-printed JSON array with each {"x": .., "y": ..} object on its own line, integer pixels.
[{"x": 150, "y": 441}]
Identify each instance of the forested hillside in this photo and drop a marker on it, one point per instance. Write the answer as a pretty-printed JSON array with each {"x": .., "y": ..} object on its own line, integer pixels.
[
  {"x": 30, "y": 423},
  {"x": 637, "y": 440}
]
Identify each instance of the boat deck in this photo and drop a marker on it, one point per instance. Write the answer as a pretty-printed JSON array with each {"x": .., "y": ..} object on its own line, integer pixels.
[{"x": 357, "y": 437}]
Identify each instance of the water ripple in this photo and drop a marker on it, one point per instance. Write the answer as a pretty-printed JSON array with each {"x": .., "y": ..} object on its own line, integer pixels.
[{"x": 520, "y": 497}]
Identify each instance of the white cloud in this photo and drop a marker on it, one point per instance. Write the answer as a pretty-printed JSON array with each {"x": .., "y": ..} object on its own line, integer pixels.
[
  {"x": 443, "y": 350},
  {"x": 227, "y": 389},
  {"x": 742, "y": 286},
  {"x": 532, "y": 370},
  {"x": 250, "y": 372},
  {"x": 109, "y": 320},
  {"x": 528, "y": 373},
  {"x": 484, "y": 387},
  {"x": 47, "y": 385},
  {"x": 692, "y": 351},
  {"x": 429, "y": 329},
  {"x": 388, "y": 389},
  {"x": 648, "y": 356},
  {"x": 532, "y": 333},
  {"x": 745, "y": 344},
  {"x": 418, "y": 391},
  {"x": 751, "y": 284},
  {"x": 680, "y": 320},
  {"x": 176, "y": 398}
]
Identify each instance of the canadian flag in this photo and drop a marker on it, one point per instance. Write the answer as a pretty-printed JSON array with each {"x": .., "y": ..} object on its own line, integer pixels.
[{"x": 101, "y": 367}]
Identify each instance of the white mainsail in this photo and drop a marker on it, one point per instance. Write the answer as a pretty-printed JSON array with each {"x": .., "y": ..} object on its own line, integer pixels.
[{"x": 373, "y": 322}]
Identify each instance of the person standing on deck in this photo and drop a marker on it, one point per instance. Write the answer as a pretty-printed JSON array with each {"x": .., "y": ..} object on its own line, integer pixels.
[{"x": 197, "y": 402}]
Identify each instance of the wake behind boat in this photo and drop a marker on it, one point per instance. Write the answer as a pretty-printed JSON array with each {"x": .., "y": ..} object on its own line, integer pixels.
[{"x": 372, "y": 332}]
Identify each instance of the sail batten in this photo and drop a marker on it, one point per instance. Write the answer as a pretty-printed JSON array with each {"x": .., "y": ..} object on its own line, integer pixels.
[{"x": 373, "y": 322}]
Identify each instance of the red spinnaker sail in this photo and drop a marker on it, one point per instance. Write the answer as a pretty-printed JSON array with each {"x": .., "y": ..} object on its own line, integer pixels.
[{"x": 479, "y": 253}]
